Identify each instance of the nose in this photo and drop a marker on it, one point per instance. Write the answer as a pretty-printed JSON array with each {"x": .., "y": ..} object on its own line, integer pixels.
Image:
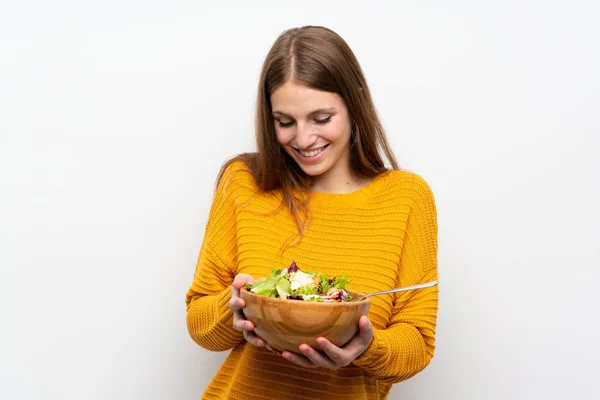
[{"x": 305, "y": 137}]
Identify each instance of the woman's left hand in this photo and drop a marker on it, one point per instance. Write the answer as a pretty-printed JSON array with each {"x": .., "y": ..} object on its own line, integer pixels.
[{"x": 334, "y": 357}]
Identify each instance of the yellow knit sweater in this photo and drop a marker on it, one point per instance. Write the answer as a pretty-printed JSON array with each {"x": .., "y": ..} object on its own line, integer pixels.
[{"x": 381, "y": 236}]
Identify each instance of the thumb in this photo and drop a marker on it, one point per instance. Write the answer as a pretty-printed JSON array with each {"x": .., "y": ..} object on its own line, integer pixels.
[
  {"x": 365, "y": 328},
  {"x": 242, "y": 280}
]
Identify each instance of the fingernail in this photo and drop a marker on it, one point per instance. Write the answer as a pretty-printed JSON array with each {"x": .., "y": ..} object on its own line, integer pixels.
[{"x": 272, "y": 350}]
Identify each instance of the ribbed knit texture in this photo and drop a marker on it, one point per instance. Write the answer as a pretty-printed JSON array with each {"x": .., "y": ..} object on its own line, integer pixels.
[{"x": 381, "y": 236}]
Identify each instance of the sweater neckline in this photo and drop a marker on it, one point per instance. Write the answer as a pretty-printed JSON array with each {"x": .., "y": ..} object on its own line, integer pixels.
[{"x": 351, "y": 199}]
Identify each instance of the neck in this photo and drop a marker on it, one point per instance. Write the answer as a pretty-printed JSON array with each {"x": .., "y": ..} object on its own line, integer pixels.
[{"x": 338, "y": 182}]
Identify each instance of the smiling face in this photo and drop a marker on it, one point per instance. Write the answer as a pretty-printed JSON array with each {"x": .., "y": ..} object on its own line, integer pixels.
[{"x": 313, "y": 127}]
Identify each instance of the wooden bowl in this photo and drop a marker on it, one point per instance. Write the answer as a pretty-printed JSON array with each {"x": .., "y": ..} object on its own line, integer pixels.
[{"x": 285, "y": 324}]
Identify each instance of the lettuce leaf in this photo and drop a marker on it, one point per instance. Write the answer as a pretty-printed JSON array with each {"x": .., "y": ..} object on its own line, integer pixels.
[
  {"x": 266, "y": 287},
  {"x": 283, "y": 287},
  {"x": 340, "y": 282}
]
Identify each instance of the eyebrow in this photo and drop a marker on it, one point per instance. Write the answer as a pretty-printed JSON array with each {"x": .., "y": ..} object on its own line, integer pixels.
[{"x": 319, "y": 111}]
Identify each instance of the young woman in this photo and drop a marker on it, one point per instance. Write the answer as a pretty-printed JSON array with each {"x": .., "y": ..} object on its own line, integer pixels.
[{"x": 317, "y": 192}]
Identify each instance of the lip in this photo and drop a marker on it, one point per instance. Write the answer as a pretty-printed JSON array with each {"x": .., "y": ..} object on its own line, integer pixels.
[{"x": 313, "y": 159}]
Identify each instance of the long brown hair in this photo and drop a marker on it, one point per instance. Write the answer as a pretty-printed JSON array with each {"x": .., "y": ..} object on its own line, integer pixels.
[{"x": 320, "y": 59}]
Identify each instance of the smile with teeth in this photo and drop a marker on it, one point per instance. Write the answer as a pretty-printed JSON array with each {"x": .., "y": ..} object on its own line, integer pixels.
[{"x": 311, "y": 153}]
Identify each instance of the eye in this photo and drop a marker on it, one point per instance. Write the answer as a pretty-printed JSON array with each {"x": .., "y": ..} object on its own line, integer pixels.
[
  {"x": 323, "y": 121},
  {"x": 285, "y": 124}
]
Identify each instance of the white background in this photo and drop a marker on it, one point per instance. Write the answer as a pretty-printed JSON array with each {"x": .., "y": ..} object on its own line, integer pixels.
[{"x": 115, "y": 117}]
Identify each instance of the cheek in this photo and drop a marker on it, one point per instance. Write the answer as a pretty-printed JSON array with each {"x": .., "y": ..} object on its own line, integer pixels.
[
  {"x": 283, "y": 136},
  {"x": 338, "y": 133}
]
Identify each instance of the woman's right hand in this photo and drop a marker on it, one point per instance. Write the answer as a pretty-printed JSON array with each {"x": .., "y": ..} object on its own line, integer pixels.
[{"x": 236, "y": 304}]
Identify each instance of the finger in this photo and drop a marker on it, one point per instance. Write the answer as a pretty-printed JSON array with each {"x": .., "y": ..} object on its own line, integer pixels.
[
  {"x": 236, "y": 303},
  {"x": 297, "y": 359},
  {"x": 243, "y": 325},
  {"x": 252, "y": 338},
  {"x": 337, "y": 356},
  {"x": 317, "y": 358},
  {"x": 235, "y": 291}
]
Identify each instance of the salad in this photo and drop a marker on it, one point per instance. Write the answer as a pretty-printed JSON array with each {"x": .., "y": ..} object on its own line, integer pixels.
[{"x": 293, "y": 284}]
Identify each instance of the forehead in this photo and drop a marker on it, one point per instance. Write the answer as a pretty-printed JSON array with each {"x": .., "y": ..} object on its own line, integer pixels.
[{"x": 297, "y": 100}]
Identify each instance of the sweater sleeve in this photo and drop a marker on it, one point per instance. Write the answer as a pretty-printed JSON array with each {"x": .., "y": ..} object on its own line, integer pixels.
[
  {"x": 209, "y": 318},
  {"x": 406, "y": 346}
]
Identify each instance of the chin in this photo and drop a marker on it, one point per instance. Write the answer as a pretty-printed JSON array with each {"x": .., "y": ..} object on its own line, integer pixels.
[{"x": 313, "y": 170}]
